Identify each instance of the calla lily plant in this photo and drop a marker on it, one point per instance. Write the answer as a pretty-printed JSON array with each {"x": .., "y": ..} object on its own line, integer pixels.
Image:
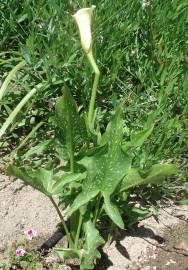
[{"x": 91, "y": 177}]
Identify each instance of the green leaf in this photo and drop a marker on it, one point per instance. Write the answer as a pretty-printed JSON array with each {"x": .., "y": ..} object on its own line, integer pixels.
[
  {"x": 93, "y": 241},
  {"x": 71, "y": 127},
  {"x": 39, "y": 148},
  {"x": 135, "y": 214},
  {"x": 67, "y": 253},
  {"x": 138, "y": 138},
  {"x": 156, "y": 173},
  {"x": 41, "y": 179},
  {"x": 159, "y": 172},
  {"x": 65, "y": 179},
  {"x": 132, "y": 179},
  {"x": 113, "y": 212},
  {"x": 89, "y": 252},
  {"x": 22, "y": 18},
  {"x": 105, "y": 170},
  {"x": 83, "y": 198}
]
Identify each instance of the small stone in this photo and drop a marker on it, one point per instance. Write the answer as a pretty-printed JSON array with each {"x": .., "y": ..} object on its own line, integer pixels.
[
  {"x": 172, "y": 261},
  {"x": 52, "y": 258}
]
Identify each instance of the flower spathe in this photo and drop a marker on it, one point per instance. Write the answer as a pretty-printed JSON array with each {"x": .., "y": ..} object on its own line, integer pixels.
[
  {"x": 20, "y": 252},
  {"x": 30, "y": 233},
  {"x": 83, "y": 20}
]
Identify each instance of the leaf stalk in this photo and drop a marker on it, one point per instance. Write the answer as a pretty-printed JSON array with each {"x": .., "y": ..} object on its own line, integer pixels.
[{"x": 62, "y": 221}]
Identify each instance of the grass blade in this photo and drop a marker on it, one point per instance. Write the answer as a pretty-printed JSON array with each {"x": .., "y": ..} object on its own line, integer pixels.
[
  {"x": 12, "y": 116},
  {"x": 9, "y": 78}
]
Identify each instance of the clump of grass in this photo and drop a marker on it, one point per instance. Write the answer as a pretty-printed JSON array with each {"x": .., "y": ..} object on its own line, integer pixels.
[{"x": 141, "y": 52}]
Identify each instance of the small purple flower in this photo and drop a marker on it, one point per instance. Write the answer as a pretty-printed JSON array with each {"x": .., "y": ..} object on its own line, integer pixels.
[
  {"x": 152, "y": 98},
  {"x": 30, "y": 233},
  {"x": 20, "y": 252}
]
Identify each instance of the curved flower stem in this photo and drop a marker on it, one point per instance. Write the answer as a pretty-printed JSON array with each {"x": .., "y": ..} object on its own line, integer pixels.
[
  {"x": 62, "y": 221},
  {"x": 95, "y": 84}
]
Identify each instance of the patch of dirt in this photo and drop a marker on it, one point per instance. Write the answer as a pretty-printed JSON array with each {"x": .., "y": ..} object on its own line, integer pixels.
[
  {"x": 154, "y": 244},
  {"x": 173, "y": 254},
  {"x": 22, "y": 207}
]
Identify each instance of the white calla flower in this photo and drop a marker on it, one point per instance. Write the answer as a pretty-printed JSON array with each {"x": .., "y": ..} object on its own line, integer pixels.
[{"x": 83, "y": 20}]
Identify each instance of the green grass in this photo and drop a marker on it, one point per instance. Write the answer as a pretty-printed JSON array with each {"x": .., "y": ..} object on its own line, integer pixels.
[{"x": 140, "y": 52}]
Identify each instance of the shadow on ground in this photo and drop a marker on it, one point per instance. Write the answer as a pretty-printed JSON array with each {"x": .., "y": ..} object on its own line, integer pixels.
[{"x": 135, "y": 231}]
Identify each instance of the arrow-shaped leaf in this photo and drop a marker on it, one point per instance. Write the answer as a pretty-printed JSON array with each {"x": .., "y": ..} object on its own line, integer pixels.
[{"x": 104, "y": 170}]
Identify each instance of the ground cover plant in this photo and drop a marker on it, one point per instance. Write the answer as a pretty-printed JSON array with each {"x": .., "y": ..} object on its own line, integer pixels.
[{"x": 92, "y": 158}]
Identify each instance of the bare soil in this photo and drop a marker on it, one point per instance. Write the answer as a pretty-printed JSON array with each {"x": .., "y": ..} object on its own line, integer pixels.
[
  {"x": 142, "y": 249},
  {"x": 153, "y": 244},
  {"x": 22, "y": 207}
]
